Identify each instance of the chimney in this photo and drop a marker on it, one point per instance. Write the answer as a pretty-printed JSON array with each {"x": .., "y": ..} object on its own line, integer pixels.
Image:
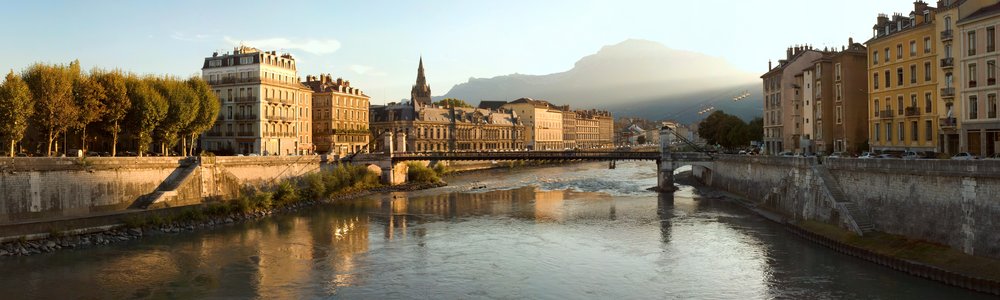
[
  {"x": 919, "y": 7},
  {"x": 788, "y": 53},
  {"x": 850, "y": 41},
  {"x": 882, "y": 19},
  {"x": 769, "y": 65}
]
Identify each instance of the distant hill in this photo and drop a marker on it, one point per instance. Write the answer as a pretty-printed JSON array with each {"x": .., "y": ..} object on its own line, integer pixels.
[{"x": 635, "y": 77}]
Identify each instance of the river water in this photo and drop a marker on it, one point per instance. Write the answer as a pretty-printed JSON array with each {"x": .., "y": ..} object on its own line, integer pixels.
[{"x": 564, "y": 232}]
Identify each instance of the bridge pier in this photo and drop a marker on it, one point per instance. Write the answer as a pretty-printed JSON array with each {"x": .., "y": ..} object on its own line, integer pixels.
[{"x": 665, "y": 176}]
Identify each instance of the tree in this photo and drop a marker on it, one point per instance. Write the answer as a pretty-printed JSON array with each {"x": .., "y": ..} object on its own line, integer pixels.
[
  {"x": 725, "y": 130},
  {"x": 147, "y": 109},
  {"x": 756, "y": 129},
  {"x": 208, "y": 108},
  {"x": 181, "y": 110},
  {"x": 52, "y": 91},
  {"x": 116, "y": 103},
  {"x": 89, "y": 96},
  {"x": 452, "y": 102},
  {"x": 16, "y": 105}
]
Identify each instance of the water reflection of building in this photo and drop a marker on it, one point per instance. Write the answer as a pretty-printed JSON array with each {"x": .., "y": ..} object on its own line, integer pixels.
[{"x": 549, "y": 205}]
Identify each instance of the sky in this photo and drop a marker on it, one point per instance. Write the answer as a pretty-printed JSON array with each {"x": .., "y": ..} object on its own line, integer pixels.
[{"x": 376, "y": 44}]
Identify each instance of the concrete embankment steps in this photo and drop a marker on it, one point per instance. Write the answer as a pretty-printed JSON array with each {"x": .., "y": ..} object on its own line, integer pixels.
[
  {"x": 167, "y": 191},
  {"x": 850, "y": 210}
]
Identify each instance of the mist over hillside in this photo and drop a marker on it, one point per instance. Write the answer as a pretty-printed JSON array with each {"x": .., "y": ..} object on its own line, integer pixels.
[{"x": 634, "y": 78}]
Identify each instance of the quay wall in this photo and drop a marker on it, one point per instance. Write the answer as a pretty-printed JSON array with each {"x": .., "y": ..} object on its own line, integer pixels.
[
  {"x": 955, "y": 203},
  {"x": 39, "y": 189}
]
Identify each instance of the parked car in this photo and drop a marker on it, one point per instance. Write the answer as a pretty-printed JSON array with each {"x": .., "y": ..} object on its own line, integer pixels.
[
  {"x": 886, "y": 156},
  {"x": 867, "y": 155},
  {"x": 995, "y": 156},
  {"x": 911, "y": 155},
  {"x": 837, "y": 155},
  {"x": 963, "y": 156},
  {"x": 786, "y": 154}
]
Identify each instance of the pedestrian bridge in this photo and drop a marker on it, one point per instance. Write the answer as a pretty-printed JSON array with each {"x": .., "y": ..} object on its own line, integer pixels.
[{"x": 393, "y": 164}]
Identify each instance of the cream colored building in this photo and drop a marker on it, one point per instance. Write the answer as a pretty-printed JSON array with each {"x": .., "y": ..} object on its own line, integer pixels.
[
  {"x": 543, "y": 123},
  {"x": 264, "y": 109},
  {"x": 340, "y": 116},
  {"x": 975, "y": 70}
]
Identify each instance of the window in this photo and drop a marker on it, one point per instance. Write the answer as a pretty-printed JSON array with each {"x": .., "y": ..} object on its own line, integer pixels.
[
  {"x": 972, "y": 75},
  {"x": 971, "y": 42},
  {"x": 836, "y": 71},
  {"x": 901, "y": 132},
  {"x": 888, "y": 106},
  {"x": 888, "y": 132},
  {"x": 877, "y": 131},
  {"x": 991, "y": 106},
  {"x": 875, "y": 80},
  {"x": 913, "y": 48},
  {"x": 899, "y": 101},
  {"x": 914, "y": 135},
  {"x": 899, "y": 51},
  {"x": 840, "y": 91},
  {"x": 928, "y": 102},
  {"x": 888, "y": 79},
  {"x": 840, "y": 114},
  {"x": 928, "y": 131},
  {"x": 887, "y": 55},
  {"x": 913, "y": 101},
  {"x": 991, "y": 72},
  {"x": 913, "y": 73},
  {"x": 875, "y": 57},
  {"x": 215, "y": 63},
  {"x": 927, "y": 45},
  {"x": 876, "y": 108},
  {"x": 991, "y": 43},
  {"x": 246, "y": 60},
  {"x": 973, "y": 107},
  {"x": 927, "y": 71},
  {"x": 899, "y": 77}
]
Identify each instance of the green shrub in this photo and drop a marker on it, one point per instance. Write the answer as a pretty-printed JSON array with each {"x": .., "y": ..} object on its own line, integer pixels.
[
  {"x": 286, "y": 193},
  {"x": 418, "y": 173},
  {"x": 263, "y": 200},
  {"x": 313, "y": 186}
]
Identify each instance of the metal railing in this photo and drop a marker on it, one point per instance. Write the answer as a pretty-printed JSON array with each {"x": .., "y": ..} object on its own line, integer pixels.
[
  {"x": 912, "y": 111},
  {"x": 946, "y": 35},
  {"x": 948, "y": 92}
]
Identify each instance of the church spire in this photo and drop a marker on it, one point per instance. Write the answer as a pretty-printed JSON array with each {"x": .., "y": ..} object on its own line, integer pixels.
[{"x": 421, "y": 92}]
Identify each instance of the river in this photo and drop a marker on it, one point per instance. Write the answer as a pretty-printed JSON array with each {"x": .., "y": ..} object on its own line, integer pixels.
[{"x": 559, "y": 232}]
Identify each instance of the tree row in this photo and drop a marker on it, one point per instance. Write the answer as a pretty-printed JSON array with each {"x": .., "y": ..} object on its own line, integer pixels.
[{"x": 49, "y": 101}]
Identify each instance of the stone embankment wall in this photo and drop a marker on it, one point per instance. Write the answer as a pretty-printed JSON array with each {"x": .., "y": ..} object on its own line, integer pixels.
[
  {"x": 38, "y": 189},
  {"x": 956, "y": 203}
]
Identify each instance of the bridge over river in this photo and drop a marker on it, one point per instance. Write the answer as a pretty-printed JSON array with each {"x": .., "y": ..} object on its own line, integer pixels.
[{"x": 393, "y": 163}]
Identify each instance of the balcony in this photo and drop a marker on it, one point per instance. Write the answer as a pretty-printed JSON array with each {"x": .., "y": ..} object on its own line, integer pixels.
[
  {"x": 245, "y": 117},
  {"x": 947, "y": 122},
  {"x": 245, "y": 99},
  {"x": 281, "y": 101},
  {"x": 233, "y": 80},
  {"x": 912, "y": 111},
  {"x": 946, "y": 35},
  {"x": 948, "y": 92},
  {"x": 948, "y": 62},
  {"x": 885, "y": 114},
  {"x": 246, "y": 134}
]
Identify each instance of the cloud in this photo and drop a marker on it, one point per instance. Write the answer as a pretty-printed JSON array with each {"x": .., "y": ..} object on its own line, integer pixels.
[
  {"x": 314, "y": 46},
  {"x": 366, "y": 70}
]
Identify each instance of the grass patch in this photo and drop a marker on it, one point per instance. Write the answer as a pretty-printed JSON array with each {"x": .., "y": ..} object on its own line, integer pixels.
[
  {"x": 929, "y": 253},
  {"x": 313, "y": 186}
]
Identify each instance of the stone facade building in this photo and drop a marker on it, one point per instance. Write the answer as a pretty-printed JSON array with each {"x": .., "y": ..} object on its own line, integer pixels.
[
  {"x": 426, "y": 127},
  {"x": 264, "y": 109},
  {"x": 976, "y": 68},
  {"x": 783, "y": 101},
  {"x": 340, "y": 116},
  {"x": 594, "y": 129},
  {"x": 903, "y": 88},
  {"x": 543, "y": 123}
]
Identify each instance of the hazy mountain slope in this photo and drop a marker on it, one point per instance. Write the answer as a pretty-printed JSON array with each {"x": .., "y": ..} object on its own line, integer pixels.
[{"x": 623, "y": 77}]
